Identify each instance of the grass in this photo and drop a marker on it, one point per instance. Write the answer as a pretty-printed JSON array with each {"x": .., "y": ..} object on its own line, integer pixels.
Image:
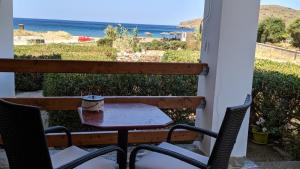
[
  {"x": 276, "y": 55},
  {"x": 70, "y": 52}
]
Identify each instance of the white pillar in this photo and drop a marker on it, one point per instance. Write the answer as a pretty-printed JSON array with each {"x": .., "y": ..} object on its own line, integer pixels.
[
  {"x": 7, "y": 82},
  {"x": 228, "y": 46}
]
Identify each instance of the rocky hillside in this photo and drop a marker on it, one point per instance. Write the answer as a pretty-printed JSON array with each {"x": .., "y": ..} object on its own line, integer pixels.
[
  {"x": 285, "y": 13},
  {"x": 191, "y": 23}
]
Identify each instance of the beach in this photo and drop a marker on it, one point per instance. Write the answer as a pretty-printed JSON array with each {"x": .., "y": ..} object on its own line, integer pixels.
[
  {"x": 58, "y": 37},
  {"x": 92, "y": 29},
  {"x": 42, "y": 31}
]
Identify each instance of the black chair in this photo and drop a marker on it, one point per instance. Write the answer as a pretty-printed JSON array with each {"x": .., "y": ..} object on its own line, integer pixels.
[
  {"x": 25, "y": 143},
  {"x": 168, "y": 156}
]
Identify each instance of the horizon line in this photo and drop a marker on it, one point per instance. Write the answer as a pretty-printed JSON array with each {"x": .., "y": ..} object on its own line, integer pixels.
[{"x": 95, "y": 21}]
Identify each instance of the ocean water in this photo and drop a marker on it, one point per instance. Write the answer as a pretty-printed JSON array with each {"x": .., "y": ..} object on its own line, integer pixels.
[{"x": 94, "y": 29}]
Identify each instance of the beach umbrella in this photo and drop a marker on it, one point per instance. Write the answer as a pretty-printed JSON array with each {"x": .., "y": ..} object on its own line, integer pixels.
[{"x": 149, "y": 34}]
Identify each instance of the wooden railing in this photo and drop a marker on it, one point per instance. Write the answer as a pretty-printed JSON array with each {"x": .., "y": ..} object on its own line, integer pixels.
[
  {"x": 71, "y": 103},
  {"x": 67, "y": 66}
]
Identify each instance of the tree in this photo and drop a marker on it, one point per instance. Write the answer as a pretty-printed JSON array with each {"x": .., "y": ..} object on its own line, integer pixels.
[
  {"x": 294, "y": 31},
  {"x": 271, "y": 30}
]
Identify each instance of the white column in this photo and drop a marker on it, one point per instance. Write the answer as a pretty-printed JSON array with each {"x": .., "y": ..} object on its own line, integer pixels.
[
  {"x": 7, "y": 82},
  {"x": 228, "y": 46}
]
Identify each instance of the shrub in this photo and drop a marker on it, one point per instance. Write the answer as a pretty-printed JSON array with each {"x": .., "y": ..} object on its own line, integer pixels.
[
  {"x": 271, "y": 30},
  {"x": 116, "y": 85},
  {"x": 294, "y": 31},
  {"x": 194, "y": 39},
  {"x": 110, "y": 32},
  {"x": 31, "y": 81},
  {"x": 276, "y": 89},
  {"x": 69, "y": 52},
  {"x": 188, "y": 56},
  {"x": 164, "y": 45},
  {"x": 105, "y": 42}
]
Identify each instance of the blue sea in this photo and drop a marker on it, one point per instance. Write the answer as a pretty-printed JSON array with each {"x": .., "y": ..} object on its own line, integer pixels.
[{"x": 94, "y": 29}]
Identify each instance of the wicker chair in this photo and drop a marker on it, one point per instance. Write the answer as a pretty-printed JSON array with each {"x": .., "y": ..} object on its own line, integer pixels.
[
  {"x": 169, "y": 156},
  {"x": 26, "y": 146}
]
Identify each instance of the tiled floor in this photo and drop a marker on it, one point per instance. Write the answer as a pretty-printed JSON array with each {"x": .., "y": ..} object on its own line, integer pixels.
[{"x": 272, "y": 160}]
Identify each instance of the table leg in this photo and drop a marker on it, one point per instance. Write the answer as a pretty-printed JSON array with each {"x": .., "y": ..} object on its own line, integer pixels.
[{"x": 122, "y": 143}]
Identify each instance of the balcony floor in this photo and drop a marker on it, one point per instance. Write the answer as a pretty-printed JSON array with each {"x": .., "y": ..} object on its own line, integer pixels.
[{"x": 259, "y": 157}]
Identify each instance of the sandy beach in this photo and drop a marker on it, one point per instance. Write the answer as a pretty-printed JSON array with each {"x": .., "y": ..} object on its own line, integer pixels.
[{"x": 23, "y": 37}]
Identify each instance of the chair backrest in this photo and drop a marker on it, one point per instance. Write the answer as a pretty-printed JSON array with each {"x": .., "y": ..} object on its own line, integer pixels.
[
  {"x": 228, "y": 133},
  {"x": 23, "y": 136}
]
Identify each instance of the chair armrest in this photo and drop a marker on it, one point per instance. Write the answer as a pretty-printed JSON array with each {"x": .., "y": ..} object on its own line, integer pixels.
[
  {"x": 191, "y": 128},
  {"x": 173, "y": 154},
  {"x": 90, "y": 156},
  {"x": 57, "y": 129}
]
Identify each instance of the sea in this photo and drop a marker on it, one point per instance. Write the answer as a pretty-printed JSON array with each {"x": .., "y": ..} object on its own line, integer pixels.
[{"x": 93, "y": 29}]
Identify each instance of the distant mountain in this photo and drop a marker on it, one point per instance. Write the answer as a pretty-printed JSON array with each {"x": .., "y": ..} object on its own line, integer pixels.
[
  {"x": 191, "y": 23},
  {"x": 285, "y": 13}
]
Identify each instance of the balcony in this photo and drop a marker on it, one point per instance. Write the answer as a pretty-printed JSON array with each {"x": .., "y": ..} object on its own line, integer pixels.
[{"x": 225, "y": 77}]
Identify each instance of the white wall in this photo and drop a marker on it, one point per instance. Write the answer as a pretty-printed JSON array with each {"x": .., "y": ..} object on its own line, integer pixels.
[
  {"x": 7, "y": 83},
  {"x": 229, "y": 39}
]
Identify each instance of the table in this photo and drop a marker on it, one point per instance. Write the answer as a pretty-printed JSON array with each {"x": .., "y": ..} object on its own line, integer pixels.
[{"x": 125, "y": 117}]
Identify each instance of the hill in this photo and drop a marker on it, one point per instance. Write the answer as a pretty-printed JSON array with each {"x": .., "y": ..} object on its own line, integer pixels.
[
  {"x": 285, "y": 13},
  {"x": 191, "y": 23}
]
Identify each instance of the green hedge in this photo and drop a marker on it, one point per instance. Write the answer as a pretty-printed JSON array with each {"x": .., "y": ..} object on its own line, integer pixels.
[
  {"x": 31, "y": 81},
  {"x": 276, "y": 89},
  {"x": 277, "y": 99},
  {"x": 164, "y": 45},
  {"x": 276, "y": 96},
  {"x": 115, "y": 85}
]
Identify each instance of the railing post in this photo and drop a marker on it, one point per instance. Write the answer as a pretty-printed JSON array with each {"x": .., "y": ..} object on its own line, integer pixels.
[{"x": 7, "y": 82}]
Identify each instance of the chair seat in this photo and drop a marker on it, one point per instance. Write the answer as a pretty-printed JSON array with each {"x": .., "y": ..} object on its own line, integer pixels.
[
  {"x": 154, "y": 160},
  {"x": 71, "y": 153}
]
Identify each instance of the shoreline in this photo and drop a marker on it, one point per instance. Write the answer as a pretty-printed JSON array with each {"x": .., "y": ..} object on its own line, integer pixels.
[{"x": 24, "y": 37}]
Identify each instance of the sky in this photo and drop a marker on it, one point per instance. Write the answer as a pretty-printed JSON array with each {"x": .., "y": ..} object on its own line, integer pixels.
[{"x": 166, "y": 12}]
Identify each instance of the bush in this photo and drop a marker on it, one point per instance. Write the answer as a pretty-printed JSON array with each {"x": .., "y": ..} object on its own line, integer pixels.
[
  {"x": 69, "y": 52},
  {"x": 110, "y": 32},
  {"x": 31, "y": 81},
  {"x": 164, "y": 45},
  {"x": 294, "y": 31},
  {"x": 276, "y": 89},
  {"x": 105, "y": 42},
  {"x": 115, "y": 85},
  {"x": 194, "y": 39},
  {"x": 188, "y": 56},
  {"x": 271, "y": 30}
]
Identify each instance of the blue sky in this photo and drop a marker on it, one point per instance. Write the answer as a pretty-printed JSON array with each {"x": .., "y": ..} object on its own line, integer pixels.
[{"x": 168, "y": 12}]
